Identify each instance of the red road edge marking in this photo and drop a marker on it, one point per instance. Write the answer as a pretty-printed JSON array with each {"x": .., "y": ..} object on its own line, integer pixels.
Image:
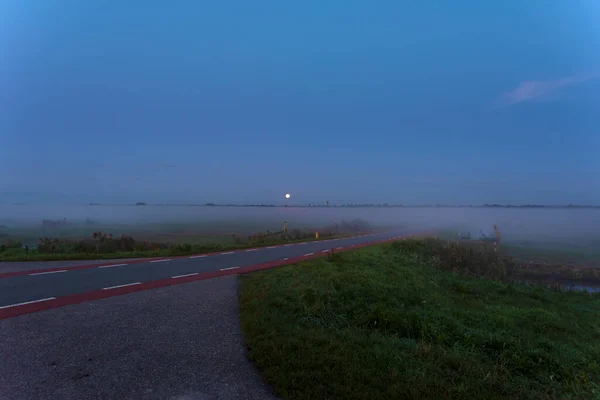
[
  {"x": 103, "y": 294},
  {"x": 136, "y": 261}
]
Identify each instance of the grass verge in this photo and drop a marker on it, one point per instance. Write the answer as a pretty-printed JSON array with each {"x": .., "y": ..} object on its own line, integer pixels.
[
  {"x": 387, "y": 322},
  {"x": 19, "y": 254}
]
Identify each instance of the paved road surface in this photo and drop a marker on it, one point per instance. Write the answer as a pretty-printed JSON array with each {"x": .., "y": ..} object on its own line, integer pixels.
[
  {"x": 16, "y": 266},
  {"x": 121, "y": 277},
  {"x": 180, "y": 342}
]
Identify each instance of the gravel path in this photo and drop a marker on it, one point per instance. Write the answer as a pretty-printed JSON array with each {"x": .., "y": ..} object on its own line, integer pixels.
[{"x": 180, "y": 342}]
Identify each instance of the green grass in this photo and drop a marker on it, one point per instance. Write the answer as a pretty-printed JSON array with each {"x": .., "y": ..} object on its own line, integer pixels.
[
  {"x": 77, "y": 241},
  {"x": 386, "y": 323},
  {"x": 545, "y": 254},
  {"x": 196, "y": 232},
  {"x": 582, "y": 250},
  {"x": 178, "y": 233},
  {"x": 19, "y": 254}
]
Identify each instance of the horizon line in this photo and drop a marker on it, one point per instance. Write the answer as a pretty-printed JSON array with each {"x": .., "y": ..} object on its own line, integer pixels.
[{"x": 310, "y": 205}]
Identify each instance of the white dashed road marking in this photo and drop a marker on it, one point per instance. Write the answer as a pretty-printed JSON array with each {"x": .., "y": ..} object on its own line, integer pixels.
[
  {"x": 308, "y": 254},
  {"x": 118, "y": 286},
  {"x": 49, "y": 272},
  {"x": 251, "y": 249},
  {"x": 228, "y": 252},
  {"x": 183, "y": 276},
  {"x": 155, "y": 261},
  {"x": 200, "y": 256},
  {"x": 28, "y": 302},
  {"x": 272, "y": 247},
  {"x": 325, "y": 251},
  {"x": 110, "y": 266},
  {"x": 227, "y": 269}
]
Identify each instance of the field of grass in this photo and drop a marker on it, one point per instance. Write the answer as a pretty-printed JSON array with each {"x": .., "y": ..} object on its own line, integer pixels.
[
  {"x": 405, "y": 321},
  {"x": 575, "y": 250},
  {"x": 175, "y": 232},
  {"x": 172, "y": 251},
  {"x": 568, "y": 261},
  {"x": 70, "y": 243},
  {"x": 544, "y": 253}
]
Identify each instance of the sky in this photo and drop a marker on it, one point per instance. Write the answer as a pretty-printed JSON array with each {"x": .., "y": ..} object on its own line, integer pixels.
[{"x": 462, "y": 102}]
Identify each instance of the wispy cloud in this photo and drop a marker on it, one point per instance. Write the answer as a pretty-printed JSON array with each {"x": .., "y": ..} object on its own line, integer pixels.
[{"x": 537, "y": 90}]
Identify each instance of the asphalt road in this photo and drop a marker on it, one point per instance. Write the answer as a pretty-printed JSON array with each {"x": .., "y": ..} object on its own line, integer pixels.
[
  {"x": 37, "y": 287},
  {"x": 181, "y": 342}
]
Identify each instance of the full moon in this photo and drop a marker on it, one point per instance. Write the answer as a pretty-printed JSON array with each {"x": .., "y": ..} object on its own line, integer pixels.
[{"x": 287, "y": 195}]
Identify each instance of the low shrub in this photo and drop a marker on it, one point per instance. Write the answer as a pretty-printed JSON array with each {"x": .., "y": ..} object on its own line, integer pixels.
[{"x": 476, "y": 259}]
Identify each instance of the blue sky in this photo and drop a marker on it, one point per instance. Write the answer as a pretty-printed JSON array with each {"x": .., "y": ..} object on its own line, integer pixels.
[{"x": 462, "y": 102}]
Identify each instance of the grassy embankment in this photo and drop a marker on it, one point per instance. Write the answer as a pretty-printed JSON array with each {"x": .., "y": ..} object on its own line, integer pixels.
[{"x": 418, "y": 320}]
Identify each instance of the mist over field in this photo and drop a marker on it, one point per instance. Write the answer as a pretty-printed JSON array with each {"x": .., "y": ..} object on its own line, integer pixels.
[{"x": 556, "y": 224}]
